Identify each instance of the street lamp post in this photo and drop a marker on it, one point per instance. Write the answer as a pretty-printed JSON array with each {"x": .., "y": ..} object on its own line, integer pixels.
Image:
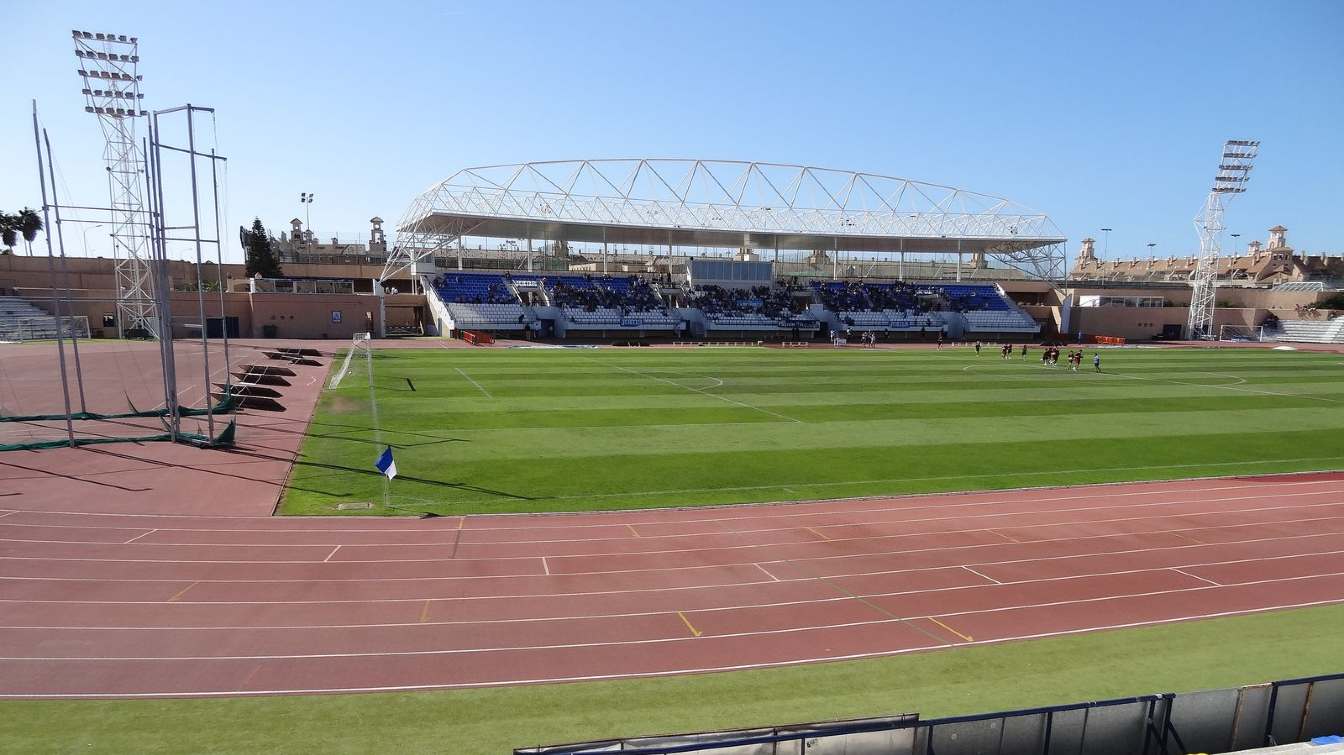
[
  {"x": 86, "y": 237},
  {"x": 306, "y": 199}
]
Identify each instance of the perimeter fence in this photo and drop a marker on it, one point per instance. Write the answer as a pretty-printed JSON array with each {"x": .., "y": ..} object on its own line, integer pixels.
[{"x": 1211, "y": 721}]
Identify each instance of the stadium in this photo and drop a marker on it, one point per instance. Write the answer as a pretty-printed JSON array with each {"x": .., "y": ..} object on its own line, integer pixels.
[{"x": 663, "y": 456}]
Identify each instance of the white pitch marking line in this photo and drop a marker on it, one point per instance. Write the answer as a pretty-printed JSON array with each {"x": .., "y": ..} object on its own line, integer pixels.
[
  {"x": 329, "y": 555},
  {"x": 1196, "y": 576},
  {"x": 1227, "y": 387},
  {"x": 678, "y": 672},
  {"x": 137, "y": 537},
  {"x": 662, "y": 640},
  {"x": 982, "y": 576},
  {"x": 704, "y": 392},
  {"x": 473, "y": 382}
]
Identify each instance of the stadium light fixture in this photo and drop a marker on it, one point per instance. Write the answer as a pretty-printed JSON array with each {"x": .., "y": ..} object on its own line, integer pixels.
[{"x": 1106, "y": 244}]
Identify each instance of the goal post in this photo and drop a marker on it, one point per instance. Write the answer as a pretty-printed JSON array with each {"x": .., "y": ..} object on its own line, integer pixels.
[
  {"x": 360, "y": 342},
  {"x": 1241, "y": 333}
]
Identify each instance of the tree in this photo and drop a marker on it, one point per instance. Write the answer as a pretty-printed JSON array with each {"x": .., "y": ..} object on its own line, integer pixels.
[
  {"x": 29, "y": 223},
  {"x": 9, "y": 231},
  {"x": 260, "y": 257}
]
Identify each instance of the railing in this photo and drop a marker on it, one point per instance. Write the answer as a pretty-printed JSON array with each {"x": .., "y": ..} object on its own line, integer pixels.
[{"x": 1225, "y": 720}]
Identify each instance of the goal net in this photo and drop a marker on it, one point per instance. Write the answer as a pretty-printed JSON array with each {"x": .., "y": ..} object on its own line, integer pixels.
[
  {"x": 358, "y": 343},
  {"x": 1241, "y": 333}
]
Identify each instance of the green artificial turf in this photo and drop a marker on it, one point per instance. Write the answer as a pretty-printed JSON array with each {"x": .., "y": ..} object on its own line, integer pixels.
[
  {"x": 1213, "y": 653},
  {"x": 496, "y": 430}
]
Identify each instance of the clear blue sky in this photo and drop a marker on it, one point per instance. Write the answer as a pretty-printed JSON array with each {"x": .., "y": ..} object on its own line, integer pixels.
[{"x": 1100, "y": 114}]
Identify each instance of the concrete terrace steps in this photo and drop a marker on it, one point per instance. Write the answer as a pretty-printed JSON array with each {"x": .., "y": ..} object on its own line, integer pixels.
[{"x": 1311, "y": 331}]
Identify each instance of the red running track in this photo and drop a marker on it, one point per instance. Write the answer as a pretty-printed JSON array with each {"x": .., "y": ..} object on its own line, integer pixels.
[
  {"x": 156, "y": 570},
  {"x": 99, "y": 599}
]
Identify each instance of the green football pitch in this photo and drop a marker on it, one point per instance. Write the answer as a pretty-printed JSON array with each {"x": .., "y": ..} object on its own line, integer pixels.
[{"x": 508, "y": 430}]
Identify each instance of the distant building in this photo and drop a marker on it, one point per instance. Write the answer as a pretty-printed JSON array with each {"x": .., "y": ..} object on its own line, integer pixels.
[
  {"x": 301, "y": 245},
  {"x": 1271, "y": 263}
]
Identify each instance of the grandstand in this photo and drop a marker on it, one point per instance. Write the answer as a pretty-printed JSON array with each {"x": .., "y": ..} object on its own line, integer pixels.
[
  {"x": 1309, "y": 331},
  {"x": 580, "y": 306},
  {"x": 20, "y": 320}
]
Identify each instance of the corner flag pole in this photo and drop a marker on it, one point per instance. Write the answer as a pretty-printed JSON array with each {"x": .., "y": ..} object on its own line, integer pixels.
[{"x": 377, "y": 426}]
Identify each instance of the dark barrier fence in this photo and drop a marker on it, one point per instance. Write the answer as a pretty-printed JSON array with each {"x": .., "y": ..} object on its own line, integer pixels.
[{"x": 1224, "y": 720}]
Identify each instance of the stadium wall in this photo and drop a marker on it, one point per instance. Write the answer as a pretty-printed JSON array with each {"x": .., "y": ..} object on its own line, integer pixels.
[{"x": 315, "y": 316}]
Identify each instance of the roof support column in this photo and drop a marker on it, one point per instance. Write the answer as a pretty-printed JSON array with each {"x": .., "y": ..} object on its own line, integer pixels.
[
  {"x": 958, "y": 260},
  {"x": 835, "y": 258},
  {"x": 529, "y": 249},
  {"x": 604, "y": 250}
]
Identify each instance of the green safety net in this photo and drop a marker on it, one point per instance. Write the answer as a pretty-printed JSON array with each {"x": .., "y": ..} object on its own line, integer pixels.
[
  {"x": 225, "y": 439},
  {"x": 225, "y": 405}
]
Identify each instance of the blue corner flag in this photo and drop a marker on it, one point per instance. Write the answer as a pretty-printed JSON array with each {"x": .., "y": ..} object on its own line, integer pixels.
[{"x": 386, "y": 464}]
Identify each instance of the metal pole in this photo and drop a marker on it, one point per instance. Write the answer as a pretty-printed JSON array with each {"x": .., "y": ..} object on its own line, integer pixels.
[
  {"x": 65, "y": 279},
  {"x": 162, "y": 294},
  {"x": 200, "y": 293},
  {"x": 604, "y": 250},
  {"x": 152, "y": 233},
  {"x": 219, "y": 276},
  {"x": 116, "y": 258},
  {"x": 51, "y": 271}
]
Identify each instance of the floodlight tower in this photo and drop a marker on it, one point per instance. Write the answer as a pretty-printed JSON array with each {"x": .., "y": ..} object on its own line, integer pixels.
[
  {"x": 109, "y": 67},
  {"x": 1233, "y": 172}
]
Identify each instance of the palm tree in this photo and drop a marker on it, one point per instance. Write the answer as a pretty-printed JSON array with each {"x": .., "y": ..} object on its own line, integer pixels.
[
  {"x": 29, "y": 224},
  {"x": 9, "y": 231}
]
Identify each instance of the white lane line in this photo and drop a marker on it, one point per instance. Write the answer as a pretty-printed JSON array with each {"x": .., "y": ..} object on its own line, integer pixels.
[
  {"x": 137, "y": 537},
  {"x": 772, "y": 509},
  {"x": 621, "y": 526},
  {"x": 625, "y": 528},
  {"x": 1217, "y": 513},
  {"x": 479, "y": 387},
  {"x": 545, "y": 566},
  {"x": 329, "y": 555},
  {"x": 705, "y": 392},
  {"x": 607, "y": 593},
  {"x": 7, "y": 513},
  {"x": 663, "y": 640},
  {"x": 1196, "y": 576},
  {"x": 766, "y": 572},
  {"x": 707, "y": 566},
  {"x": 646, "y": 674},
  {"x": 983, "y": 576}
]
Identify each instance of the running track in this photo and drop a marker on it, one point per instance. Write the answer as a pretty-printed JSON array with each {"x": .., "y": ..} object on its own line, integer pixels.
[{"x": 127, "y": 591}]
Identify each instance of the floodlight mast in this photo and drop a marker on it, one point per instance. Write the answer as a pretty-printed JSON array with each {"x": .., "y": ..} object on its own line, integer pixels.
[
  {"x": 109, "y": 68},
  {"x": 1233, "y": 173}
]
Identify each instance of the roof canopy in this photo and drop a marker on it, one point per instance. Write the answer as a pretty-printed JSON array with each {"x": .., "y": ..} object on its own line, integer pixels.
[{"x": 725, "y": 204}]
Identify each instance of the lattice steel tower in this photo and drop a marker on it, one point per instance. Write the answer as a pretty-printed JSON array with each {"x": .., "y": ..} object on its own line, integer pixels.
[
  {"x": 109, "y": 67},
  {"x": 1233, "y": 173}
]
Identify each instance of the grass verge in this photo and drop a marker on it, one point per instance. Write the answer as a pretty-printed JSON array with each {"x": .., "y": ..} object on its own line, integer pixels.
[{"x": 1178, "y": 657}]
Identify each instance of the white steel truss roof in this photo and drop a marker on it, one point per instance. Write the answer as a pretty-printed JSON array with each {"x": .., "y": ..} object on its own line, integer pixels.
[{"x": 726, "y": 203}]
